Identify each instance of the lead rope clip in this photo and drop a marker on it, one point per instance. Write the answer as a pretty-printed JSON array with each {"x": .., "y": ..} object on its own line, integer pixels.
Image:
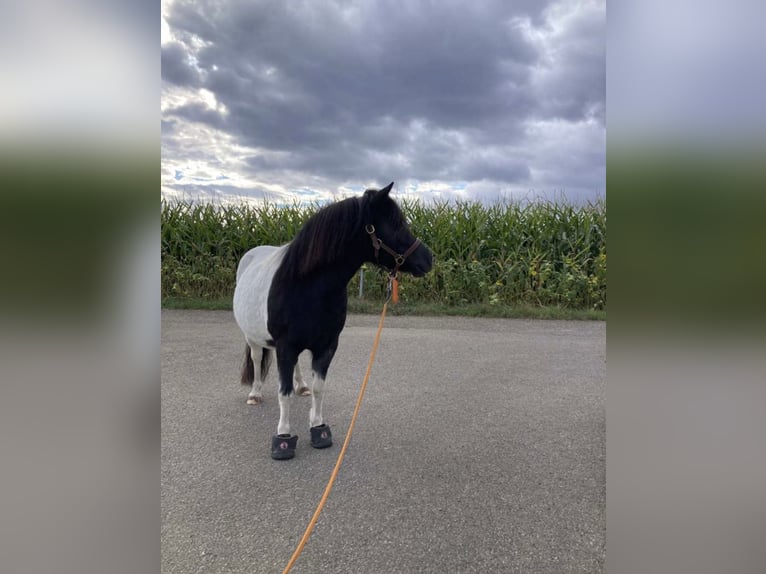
[{"x": 392, "y": 290}]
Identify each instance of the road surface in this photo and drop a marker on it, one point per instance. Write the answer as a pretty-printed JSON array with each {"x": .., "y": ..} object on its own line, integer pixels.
[{"x": 480, "y": 447}]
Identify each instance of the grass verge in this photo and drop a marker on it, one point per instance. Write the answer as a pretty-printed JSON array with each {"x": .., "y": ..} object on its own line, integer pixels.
[{"x": 370, "y": 307}]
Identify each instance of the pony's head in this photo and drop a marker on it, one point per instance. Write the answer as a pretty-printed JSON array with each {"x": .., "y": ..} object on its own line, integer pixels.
[{"x": 390, "y": 236}]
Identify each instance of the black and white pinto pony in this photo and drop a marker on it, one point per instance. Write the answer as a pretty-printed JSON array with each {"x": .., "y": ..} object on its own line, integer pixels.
[{"x": 293, "y": 298}]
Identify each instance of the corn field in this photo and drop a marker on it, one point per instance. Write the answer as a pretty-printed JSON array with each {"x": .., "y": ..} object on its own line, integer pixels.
[{"x": 542, "y": 254}]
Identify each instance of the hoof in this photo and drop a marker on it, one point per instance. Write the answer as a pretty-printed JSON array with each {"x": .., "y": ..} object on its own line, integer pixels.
[
  {"x": 254, "y": 400},
  {"x": 303, "y": 392},
  {"x": 321, "y": 436},
  {"x": 283, "y": 446}
]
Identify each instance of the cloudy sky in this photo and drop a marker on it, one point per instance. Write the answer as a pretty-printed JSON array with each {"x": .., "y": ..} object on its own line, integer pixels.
[{"x": 318, "y": 99}]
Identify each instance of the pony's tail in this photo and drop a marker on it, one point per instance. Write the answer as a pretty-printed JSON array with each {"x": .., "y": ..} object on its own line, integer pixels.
[{"x": 248, "y": 369}]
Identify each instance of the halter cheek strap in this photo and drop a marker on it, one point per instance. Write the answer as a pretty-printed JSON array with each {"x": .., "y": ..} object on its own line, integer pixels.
[{"x": 377, "y": 245}]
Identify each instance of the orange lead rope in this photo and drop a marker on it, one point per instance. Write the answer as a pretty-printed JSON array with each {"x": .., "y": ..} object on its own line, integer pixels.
[
  {"x": 395, "y": 290},
  {"x": 342, "y": 453}
]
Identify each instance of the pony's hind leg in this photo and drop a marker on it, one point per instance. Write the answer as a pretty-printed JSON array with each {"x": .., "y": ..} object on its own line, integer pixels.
[
  {"x": 248, "y": 369},
  {"x": 257, "y": 366},
  {"x": 300, "y": 387}
]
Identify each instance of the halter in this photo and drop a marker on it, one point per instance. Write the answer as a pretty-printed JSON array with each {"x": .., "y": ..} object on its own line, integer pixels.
[{"x": 399, "y": 258}]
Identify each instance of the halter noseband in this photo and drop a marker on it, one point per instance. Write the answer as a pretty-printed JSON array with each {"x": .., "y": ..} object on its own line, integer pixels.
[{"x": 399, "y": 258}]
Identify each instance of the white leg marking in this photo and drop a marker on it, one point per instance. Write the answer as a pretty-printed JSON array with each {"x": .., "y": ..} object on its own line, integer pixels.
[
  {"x": 256, "y": 396},
  {"x": 317, "y": 395},
  {"x": 300, "y": 387},
  {"x": 284, "y": 414}
]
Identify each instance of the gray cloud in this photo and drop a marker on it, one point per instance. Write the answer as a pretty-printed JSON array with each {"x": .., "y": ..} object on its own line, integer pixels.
[
  {"x": 176, "y": 67},
  {"x": 347, "y": 92}
]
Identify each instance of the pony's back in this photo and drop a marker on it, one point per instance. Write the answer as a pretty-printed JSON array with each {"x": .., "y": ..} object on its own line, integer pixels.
[{"x": 255, "y": 254}]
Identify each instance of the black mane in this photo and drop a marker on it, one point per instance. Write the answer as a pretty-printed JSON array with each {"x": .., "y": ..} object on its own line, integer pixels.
[{"x": 324, "y": 237}]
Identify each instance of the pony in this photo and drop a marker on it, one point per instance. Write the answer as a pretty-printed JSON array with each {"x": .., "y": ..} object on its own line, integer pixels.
[{"x": 293, "y": 298}]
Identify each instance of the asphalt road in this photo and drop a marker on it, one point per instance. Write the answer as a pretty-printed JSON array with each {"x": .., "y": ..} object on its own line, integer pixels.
[{"x": 480, "y": 447}]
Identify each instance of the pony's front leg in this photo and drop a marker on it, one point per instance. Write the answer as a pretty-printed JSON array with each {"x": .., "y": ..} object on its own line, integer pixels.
[
  {"x": 300, "y": 387},
  {"x": 283, "y": 443},
  {"x": 315, "y": 414},
  {"x": 321, "y": 436}
]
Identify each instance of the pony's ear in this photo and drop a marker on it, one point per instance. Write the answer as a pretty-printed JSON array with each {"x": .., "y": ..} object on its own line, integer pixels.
[
  {"x": 374, "y": 195},
  {"x": 385, "y": 191}
]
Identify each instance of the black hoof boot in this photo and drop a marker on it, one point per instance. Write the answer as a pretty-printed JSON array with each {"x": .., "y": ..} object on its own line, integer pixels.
[
  {"x": 321, "y": 436},
  {"x": 283, "y": 446}
]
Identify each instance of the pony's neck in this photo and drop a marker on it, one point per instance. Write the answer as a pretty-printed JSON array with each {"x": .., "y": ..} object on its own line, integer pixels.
[{"x": 346, "y": 264}]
